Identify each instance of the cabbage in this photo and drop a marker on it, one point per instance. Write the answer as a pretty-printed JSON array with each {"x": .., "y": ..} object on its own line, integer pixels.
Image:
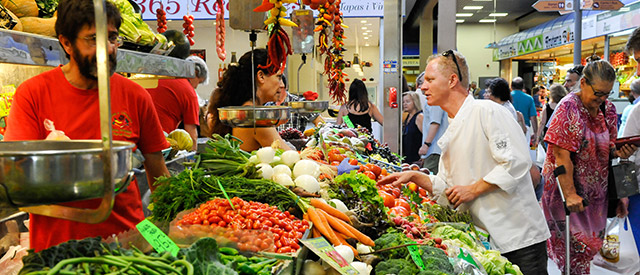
[{"x": 182, "y": 138}]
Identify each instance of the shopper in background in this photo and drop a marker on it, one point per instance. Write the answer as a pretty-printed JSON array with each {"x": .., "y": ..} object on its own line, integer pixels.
[
  {"x": 359, "y": 109},
  {"x": 580, "y": 138},
  {"x": 524, "y": 104},
  {"x": 557, "y": 92},
  {"x": 484, "y": 168},
  {"x": 634, "y": 97},
  {"x": 474, "y": 90},
  {"x": 296, "y": 121},
  {"x": 176, "y": 100},
  {"x": 535, "y": 94},
  {"x": 632, "y": 128},
  {"x": 434, "y": 125},
  {"x": 500, "y": 93},
  {"x": 236, "y": 89},
  {"x": 68, "y": 96},
  {"x": 573, "y": 75},
  {"x": 482, "y": 94},
  {"x": 411, "y": 127}
]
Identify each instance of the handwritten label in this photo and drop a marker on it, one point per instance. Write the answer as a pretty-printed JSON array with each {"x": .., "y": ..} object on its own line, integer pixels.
[
  {"x": 158, "y": 240},
  {"x": 327, "y": 253},
  {"x": 415, "y": 253},
  {"x": 348, "y": 121}
]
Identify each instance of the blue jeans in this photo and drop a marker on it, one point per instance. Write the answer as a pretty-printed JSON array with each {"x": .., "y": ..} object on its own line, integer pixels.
[{"x": 634, "y": 218}]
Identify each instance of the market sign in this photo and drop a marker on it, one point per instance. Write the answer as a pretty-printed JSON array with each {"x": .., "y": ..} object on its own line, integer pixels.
[
  {"x": 602, "y": 5},
  {"x": 615, "y": 21},
  {"x": 559, "y": 37},
  {"x": 556, "y": 5},
  {"x": 505, "y": 52},
  {"x": 530, "y": 45},
  {"x": 204, "y": 9}
]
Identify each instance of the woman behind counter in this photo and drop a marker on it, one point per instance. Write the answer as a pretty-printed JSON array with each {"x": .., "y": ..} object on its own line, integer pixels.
[
  {"x": 580, "y": 138},
  {"x": 236, "y": 88},
  {"x": 358, "y": 108},
  {"x": 412, "y": 127}
]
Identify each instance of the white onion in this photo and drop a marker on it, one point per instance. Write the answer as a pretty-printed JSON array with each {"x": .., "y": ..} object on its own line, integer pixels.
[
  {"x": 306, "y": 167},
  {"x": 276, "y": 160},
  {"x": 290, "y": 158},
  {"x": 254, "y": 159},
  {"x": 283, "y": 179},
  {"x": 340, "y": 205},
  {"x": 312, "y": 268},
  {"x": 265, "y": 170},
  {"x": 266, "y": 154},
  {"x": 361, "y": 248},
  {"x": 308, "y": 183},
  {"x": 282, "y": 169},
  {"x": 345, "y": 252},
  {"x": 362, "y": 268}
]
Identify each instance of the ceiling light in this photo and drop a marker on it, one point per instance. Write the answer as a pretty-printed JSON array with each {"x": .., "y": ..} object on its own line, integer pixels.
[
  {"x": 464, "y": 14},
  {"x": 366, "y": 37},
  {"x": 487, "y": 20},
  {"x": 498, "y": 14},
  {"x": 364, "y": 28},
  {"x": 367, "y": 44},
  {"x": 459, "y": 20},
  {"x": 363, "y": 21},
  {"x": 472, "y": 7}
]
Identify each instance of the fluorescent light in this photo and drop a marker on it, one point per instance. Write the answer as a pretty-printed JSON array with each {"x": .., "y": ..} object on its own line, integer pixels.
[
  {"x": 498, "y": 14},
  {"x": 464, "y": 14},
  {"x": 472, "y": 7},
  {"x": 363, "y": 21},
  {"x": 487, "y": 20},
  {"x": 366, "y": 37},
  {"x": 367, "y": 45},
  {"x": 459, "y": 20},
  {"x": 364, "y": 28}
]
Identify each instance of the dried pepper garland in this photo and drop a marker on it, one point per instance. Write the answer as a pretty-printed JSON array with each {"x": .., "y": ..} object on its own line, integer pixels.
[
  {"x": 337, "y": 87},
  {"x": 279, "y": 45}
]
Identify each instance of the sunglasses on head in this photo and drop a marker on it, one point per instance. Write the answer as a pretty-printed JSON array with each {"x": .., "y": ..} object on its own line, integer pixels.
[
  {"x": 596, "y": 92},
  {"x": 455, "y": 60}
]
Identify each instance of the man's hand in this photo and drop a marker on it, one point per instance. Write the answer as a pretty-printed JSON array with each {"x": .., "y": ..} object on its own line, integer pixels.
[
  {"x": 459, "y": 194},
  {"x": 622, "y": 209},
  {"x": 574, "y": 203},
  {"x": 626, "y": 151},
  {"x": 397, "y": 179},
  {"x": 423, "y": 150}
]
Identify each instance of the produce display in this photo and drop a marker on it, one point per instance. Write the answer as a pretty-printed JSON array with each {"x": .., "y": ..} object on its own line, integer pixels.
[
  {"x": 221, "y": 31},
  {"x": 32, "y": 16},
  {"x": 237, "y": 212},
  {"x": 133, "y": 29},
  {"x": 188, "y": 28}
]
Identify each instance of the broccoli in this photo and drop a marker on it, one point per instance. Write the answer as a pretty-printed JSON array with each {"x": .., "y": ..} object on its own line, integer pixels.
[
  {"x": 436, "y": 260},
  {"x": 432, "y": 272},
  {"x": 396, "y": 266},
  {"x": 392, "y": 239}
]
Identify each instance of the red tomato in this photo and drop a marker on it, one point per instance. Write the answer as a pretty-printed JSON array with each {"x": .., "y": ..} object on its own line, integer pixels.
[
  {"x": 395, "y": 192},
  {"x": 399, "y": 211},
  {"x": 375, "y": 169},
  {"x": 403, "y": 203},
  {"x": 353, "y": 161},
  {"x": 388, "y": 199},
  {"x": 370, "y": 174},
  {"x": 335, "y": 163}
]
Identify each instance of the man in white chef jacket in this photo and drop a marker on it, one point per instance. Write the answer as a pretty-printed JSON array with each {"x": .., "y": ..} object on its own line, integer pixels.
[{"x": 484, "y": 166}]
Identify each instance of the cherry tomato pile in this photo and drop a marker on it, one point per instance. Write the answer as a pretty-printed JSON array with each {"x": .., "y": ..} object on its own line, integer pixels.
[
  {"x": 188, "y": 28},
  {"x": 286, "y": 228},
  {"x": 162, "y": 20},
  {"x": 398, "y": 203}
]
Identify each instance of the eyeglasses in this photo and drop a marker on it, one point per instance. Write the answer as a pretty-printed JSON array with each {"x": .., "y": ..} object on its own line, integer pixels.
[
  {"x": 596, "y": 92},
  {"x": 455, "y": 60},
  {"x": 113, "y": 38}
]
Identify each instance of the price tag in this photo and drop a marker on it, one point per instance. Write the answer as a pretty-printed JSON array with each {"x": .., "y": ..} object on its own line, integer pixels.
[
  {"x": 327, "y": 253},
  {"x": 158, "y": 240},
  {"x": 348, "y": 122},
  {"x": 415, "y": 253}
]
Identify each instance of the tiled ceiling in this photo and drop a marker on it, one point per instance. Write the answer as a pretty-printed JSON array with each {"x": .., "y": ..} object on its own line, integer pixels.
[{"x": 514, "y": 9}]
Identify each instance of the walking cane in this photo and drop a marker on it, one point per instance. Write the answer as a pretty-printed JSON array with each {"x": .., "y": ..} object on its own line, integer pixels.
[{"x": 560, "y": 170}]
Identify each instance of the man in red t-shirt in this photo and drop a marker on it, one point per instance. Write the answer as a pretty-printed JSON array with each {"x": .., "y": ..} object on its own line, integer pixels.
[
  {"x": 176, "y": 100},
  {"x": 68, "y": 96}
]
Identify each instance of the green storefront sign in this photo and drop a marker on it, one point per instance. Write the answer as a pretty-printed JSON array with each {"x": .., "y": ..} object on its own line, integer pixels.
[{"x": 530, "y": 45}]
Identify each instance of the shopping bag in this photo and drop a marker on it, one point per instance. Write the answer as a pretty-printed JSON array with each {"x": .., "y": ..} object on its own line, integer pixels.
[
  {"x": 540, "y": 155},
  {"x": 619, "y": 253}
]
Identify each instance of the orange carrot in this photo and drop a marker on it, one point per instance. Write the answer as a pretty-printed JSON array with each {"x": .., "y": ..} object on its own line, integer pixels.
[
  {"x": 354, "y": 232},
  {"x": 332, "y": 234},
  {"x": 339, "y": 226},
  {"x": 316, "y": 233},
  {"x": 321, "y": 225},
  {"x": 329, "y": 209}
]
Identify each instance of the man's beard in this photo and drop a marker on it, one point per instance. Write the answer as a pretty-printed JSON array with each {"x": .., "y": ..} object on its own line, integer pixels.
[{"x": 88, "y": 65}]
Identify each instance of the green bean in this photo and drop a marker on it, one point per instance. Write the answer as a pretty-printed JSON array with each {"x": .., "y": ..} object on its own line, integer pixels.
[
  {"x": 74, "y": 261},
  {"x": 150, "y": 263},
  {"x": 85, "y": 266},
  {"x": 146, "y": 269},
  {"x": 186, "y": 264}
]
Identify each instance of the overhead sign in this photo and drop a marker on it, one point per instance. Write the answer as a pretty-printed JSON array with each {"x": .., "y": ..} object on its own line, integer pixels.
[
  {"x": 530, "y": 45},
  {"x": 205, "y": 10},
  {"x": 554, "y": 5},
  {"x": 602, "y": 5}
]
